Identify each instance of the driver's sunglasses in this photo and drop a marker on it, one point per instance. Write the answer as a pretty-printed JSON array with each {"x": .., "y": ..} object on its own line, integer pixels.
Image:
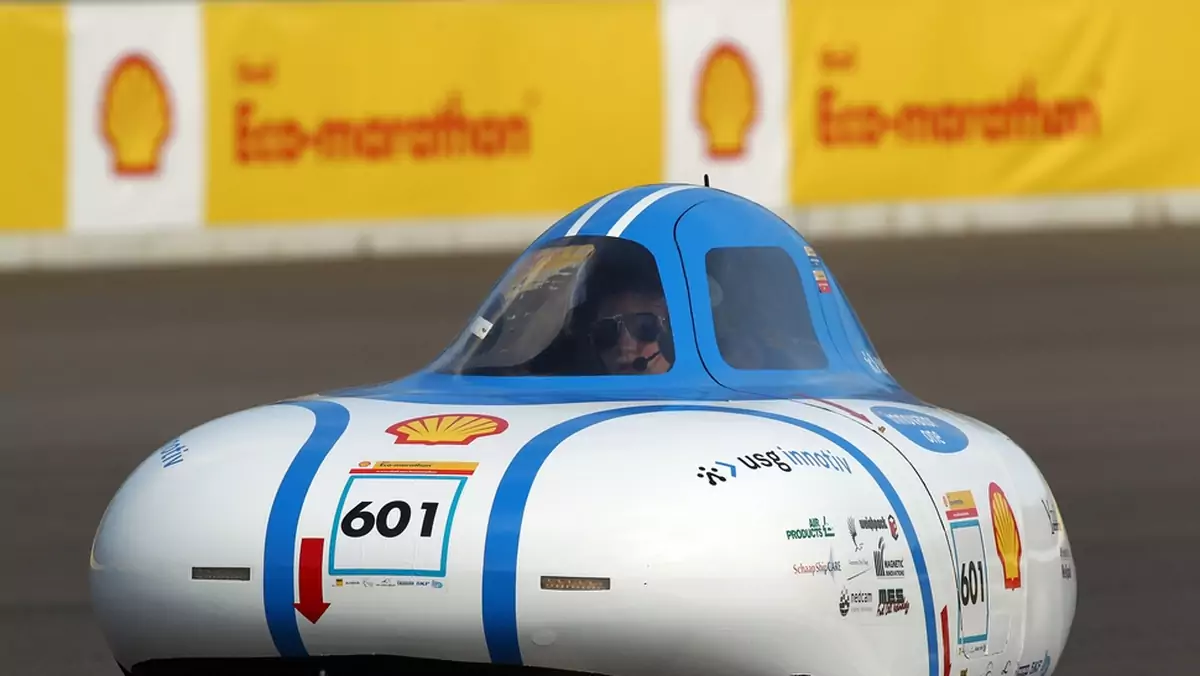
[{"x": 645, "y": 327}]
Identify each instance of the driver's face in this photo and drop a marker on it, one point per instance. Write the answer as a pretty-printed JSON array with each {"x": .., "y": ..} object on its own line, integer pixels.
[{"x": 633, "y": 333}]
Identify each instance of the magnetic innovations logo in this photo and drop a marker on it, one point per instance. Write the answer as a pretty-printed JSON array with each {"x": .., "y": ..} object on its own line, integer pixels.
[
  {"x": 135, "y": 115},
  {"x": 885, "y": 567},
  {"x": 784, "y": 461}
]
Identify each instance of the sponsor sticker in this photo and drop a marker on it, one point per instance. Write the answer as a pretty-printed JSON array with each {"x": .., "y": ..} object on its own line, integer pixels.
[
  {"x": 887, "y": 566},
  {"x": 1007, "y": 535},
  {"x": 923, "y": 429},
  {"x": 891, "y": 601},
  {"x": 818, "y": 527},
  {"x": 856, "y": 602},
  {"x": 415, "y": 467},
  {"x": 395, "y": 523},
  {"x": 780, "y": 459},
  {"x": 819, "y": 567},
  {"x": 457, "y": 429},
  {"x": 172, "y": 453},
  {"x": 971, "y": 570}
]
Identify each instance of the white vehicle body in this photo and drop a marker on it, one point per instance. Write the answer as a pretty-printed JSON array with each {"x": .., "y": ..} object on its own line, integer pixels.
[{"x": 623, "y": 533}]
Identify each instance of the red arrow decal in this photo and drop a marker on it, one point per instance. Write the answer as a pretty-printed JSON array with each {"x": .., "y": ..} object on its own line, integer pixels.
[
  {"x": 312, "y": 604},
  {"x": 945, "y": 641}
]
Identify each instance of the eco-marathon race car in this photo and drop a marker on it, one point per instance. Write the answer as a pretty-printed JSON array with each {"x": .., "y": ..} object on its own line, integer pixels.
[{"x": 664, "y": 445}]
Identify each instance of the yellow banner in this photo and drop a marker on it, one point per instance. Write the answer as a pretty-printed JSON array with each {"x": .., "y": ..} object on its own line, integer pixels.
[
  {"x": 33, "y": 63},
  {"x": 351, "y": 110},
  {"x": 941, "y": 99}
]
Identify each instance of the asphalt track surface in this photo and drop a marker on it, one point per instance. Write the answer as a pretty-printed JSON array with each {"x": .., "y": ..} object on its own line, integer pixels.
[{"x": 1084, "y": 348}]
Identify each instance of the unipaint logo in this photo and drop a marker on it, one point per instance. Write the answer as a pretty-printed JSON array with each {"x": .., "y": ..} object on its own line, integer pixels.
[
  {"x": 172, "y": 453},
  {"x": 871, "y": 523},
  {"x": 784, "y": 461}
]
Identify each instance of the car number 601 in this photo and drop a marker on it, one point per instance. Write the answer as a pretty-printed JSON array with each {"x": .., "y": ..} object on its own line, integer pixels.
[
  {"x": 394, "y": 525},
  {"x": 381, "y": 522},
  {"x": 974, "y": 614},
  {"x": 972, "y": 583}
]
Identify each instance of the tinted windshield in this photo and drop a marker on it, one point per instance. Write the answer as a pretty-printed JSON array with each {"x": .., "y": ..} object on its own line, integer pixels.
[{"x": 576, "y": 306}]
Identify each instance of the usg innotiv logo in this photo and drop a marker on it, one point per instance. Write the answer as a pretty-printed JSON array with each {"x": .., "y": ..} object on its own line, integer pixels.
[{"x": 784, "y": 461}]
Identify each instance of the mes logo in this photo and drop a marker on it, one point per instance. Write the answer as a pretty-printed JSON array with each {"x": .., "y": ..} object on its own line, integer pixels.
[
  {"x": 784, "y": 461},
  {"x": 891, "y": 601}
]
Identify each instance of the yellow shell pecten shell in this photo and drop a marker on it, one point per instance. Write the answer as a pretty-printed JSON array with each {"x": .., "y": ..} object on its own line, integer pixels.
[
  {"x": 726, "y": 100},
  {"x": 455, "y": 428},
  {"x": 1008, "y": 536},
  {"x": 135, "y": 114}
]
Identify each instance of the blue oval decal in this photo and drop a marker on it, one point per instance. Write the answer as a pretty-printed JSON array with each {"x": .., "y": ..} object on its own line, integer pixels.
[{"x": 923, "y": 429}]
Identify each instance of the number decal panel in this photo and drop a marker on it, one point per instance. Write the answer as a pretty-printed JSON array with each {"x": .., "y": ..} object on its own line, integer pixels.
[
  {"x": 394, "y": 525},
  {"x": 970, "y": 559}
]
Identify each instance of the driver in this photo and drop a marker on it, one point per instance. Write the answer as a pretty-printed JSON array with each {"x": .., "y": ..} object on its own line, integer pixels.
[{"x": 630, "y": 332}]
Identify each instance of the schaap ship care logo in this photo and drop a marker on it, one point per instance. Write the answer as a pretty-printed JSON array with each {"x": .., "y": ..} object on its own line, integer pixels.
[
  {"x": 135, "y": 115},
  {"x": 1008, "y": 537},
  {"x": 727, "y": 101},
  {"x": 457, "y": 429}
]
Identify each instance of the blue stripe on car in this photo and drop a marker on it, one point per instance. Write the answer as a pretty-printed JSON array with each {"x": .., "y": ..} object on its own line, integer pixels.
[
  {"x": 503, "y": 538},
  {"x": 279, "y": 556}
]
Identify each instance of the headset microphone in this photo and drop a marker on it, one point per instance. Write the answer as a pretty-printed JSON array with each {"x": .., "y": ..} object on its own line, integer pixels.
[{"x": 641, "y": 363}]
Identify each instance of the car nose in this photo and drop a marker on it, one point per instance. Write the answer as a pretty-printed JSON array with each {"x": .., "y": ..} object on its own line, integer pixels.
[{"x": 177, "y": 560}]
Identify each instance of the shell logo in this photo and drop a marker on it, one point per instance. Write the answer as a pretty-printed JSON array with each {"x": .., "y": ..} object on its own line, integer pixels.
[
  {"x": 135, "y": 115},
  {"x": 1008, "y": 536},
  {"x": 457, "y": 429},
  {"x": 727, "y": 101}
]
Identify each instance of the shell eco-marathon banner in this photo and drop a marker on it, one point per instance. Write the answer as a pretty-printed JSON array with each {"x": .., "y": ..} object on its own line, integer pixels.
[
  {"x": 161, "y": 116},
  {"x": 930, "y": 99}
]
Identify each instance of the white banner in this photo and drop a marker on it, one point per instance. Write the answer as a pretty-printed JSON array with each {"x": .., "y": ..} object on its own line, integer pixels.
[
  {"x": 137, "y": 117},
  {"x": 726, "y": 98}
]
